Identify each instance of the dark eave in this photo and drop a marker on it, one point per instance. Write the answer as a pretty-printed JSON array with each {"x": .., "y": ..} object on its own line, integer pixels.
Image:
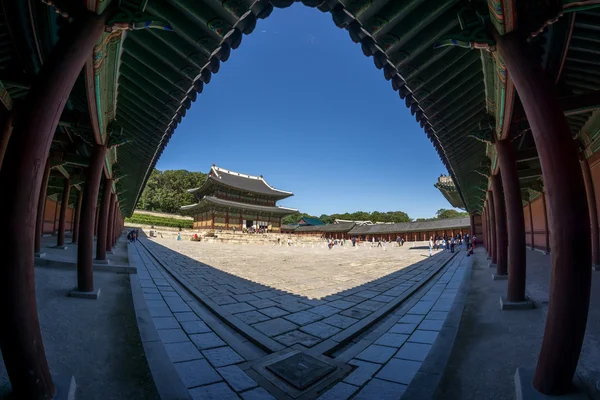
[{"x": 209, "y": 201}]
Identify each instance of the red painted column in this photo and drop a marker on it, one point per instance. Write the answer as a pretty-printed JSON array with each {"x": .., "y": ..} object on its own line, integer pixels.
[
  {"x": 22, "y": 176},
  {"x": 39, "y": 222},
  {"x": 54, "y": 220},
  {"x": 77, "y": 216},
  {"x": 5, "y": 131},
  {"x": 85, "y": 249},
  {"x": 483, "y": 238},
  {"x": 517, "y": 264},
  {"x": 593, "y": 211},
  {"x": 501, "y": 234},
  {"x": 568, "y": 216},
  {"x": 103, "y": 221},
  {"x": 531, "y": 224},
  {"x": 110, "y": 222},
  {"x": 493, "y": 242},
  {"x": 546, "y": 226},
  {"x": 472, "y": 225},
  {"x": 115, "y": 224},
  {"x": 64, "y": 206},
  {"x": 96, "y": 217}
]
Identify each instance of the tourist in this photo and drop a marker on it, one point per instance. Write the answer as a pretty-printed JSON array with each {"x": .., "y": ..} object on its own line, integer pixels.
[
  {"x": 430, "y": 246},
  {"x": 474, "y": 241},
  {"x": 289, "y": 242},
  {"x": 378, "y": 242},
  {"x": 354, "y": 241},
  {"x": 452, "y": 245}
]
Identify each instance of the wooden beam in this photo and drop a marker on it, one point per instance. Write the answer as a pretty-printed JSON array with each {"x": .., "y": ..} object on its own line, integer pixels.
[
  {"x": 529, "y": 173},
  {"x": 527, "y": 155},
  {"x": 571, "y": 105}
]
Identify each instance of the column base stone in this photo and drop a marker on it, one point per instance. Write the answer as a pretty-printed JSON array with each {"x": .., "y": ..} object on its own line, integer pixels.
[
  {"x": 96, "y": 261},
  {"x": 39, "y": 255},
  {"x": 85, "y": 295},
  {"x": 109, "y": 252},
  {"x": 595, "y": 267},
  {"x": 525, "y": 390},
  {"x": 497, "y": 277},
  {"x": 65, "y": 387},
  {"x": 63, "y": 247},
  {"x": 492, "y": 265},
  {"x": 526, "y": 304}
]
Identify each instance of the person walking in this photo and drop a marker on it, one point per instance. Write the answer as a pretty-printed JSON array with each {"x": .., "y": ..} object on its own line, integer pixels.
[
  {"x": 430, "y": 246},
  {"x": 452, "y": 240}
]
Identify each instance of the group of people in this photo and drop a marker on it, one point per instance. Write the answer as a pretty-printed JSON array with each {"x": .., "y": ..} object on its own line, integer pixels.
[{"x": 449, "y": 243}]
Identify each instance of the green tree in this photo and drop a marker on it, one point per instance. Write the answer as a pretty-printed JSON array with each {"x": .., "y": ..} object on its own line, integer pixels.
[
  {"x": 166, "y": 191},
  {"x": 294, "y": 218},
  {"x": 443, "y": 213},
  {"x": 327, "y": 219}
]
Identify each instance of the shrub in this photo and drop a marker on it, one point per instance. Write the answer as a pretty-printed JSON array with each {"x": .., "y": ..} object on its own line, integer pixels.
[{"x": 142, "y": 219}]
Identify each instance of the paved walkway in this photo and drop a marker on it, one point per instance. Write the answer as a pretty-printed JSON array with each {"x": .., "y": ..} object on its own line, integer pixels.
[
  {"x": 96, "y": 341},
  {"x": 376, "y": 335},
  {"x": 492, "y": 343}
]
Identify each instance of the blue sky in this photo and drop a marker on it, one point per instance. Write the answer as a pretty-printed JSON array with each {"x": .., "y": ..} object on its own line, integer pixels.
[{"x": 300, "y": 104}]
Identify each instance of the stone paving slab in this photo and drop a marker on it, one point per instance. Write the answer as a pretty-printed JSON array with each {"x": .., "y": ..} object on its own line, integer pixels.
[
  {"x": 271, "y": 312},
  {"x": 390, "y": 364},
  {"x": 383, "y": 369}
]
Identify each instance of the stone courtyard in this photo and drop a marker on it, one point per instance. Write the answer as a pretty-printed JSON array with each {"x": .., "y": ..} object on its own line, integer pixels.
[
  {"x": 243, "y": 321},
  {"x": 305, "y": 269}
]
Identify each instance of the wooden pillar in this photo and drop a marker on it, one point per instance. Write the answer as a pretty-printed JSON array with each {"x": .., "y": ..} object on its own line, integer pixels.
[
  {"x": 515, "y": 220},
  {"x": 22, "y": 176},
  {"x": 484, "y": 237},
  {"x": 85, "y": 249},
  {"x": 103, "y": 221},
  {"x": 77, "y": 216},
  {"x": 493, "y": 244},
  {"x": 568, "y": 214},
  {"x": 5, "y": 131},
  {"x": 64, "y": 206},
  {"x": 531, "y": 224},
  {"x": 39, "y": 223},
  {"x": 116, "y": 224},
  {"x": 592, "y": 208},
  {"x": 110, "y": 222},
  {"x": 96, "y": 217},
  {"x": 501, "y": 234},
  {"x": 55, "y": 219},
  {"x": 546, "y": 225}
]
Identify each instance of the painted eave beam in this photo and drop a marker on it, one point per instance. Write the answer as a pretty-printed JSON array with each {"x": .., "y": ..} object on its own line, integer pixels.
[{"x": 571, "y": 105}]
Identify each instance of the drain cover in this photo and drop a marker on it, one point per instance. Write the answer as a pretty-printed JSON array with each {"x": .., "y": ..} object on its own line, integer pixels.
[{"x": 301, "y": 370}]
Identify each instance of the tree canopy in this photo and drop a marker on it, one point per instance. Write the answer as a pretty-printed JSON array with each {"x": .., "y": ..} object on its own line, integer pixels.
[
  {"x": 375, "y": 216},
  {"x": 166, "y": 191},
  {"x": 443, "y": 213}
]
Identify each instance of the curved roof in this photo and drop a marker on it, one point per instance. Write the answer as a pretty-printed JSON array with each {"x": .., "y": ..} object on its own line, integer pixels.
[
  {"x": 208, "y": 200},
  {"x": 341, "y": 227},
  {"x": 438, "y": 224},
  {"x": 156, "y": 56},
  {"x": 446, "y": 186},
  {"x": 236, "y": 180}
]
